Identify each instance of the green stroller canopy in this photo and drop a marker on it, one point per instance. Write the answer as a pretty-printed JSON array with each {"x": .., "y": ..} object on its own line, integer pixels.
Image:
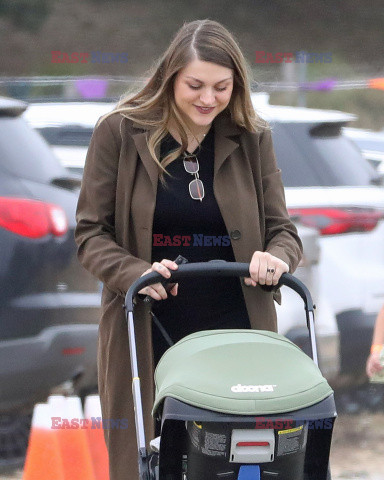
[{"x": 244, "y": 372}]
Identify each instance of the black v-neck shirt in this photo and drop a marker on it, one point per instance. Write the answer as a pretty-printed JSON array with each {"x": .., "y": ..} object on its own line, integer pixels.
[{"x": 194, "y": 229}]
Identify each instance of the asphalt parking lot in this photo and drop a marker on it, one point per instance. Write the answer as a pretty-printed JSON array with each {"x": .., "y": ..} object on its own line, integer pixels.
[{"x": 358, "y": 447}]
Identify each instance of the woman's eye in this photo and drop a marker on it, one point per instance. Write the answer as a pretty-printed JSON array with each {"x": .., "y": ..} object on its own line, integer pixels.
[{"x": 196, "y": 87}]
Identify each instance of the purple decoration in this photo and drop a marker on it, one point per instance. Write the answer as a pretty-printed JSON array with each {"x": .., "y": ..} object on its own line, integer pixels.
[
  {"x": 320, "y": 85},
  {"x": 92, "y": 87}
]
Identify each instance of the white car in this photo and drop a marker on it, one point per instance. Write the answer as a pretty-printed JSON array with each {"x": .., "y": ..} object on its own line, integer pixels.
[
  {"x": 371, "y": 145},
  {"x": 68, "y": 127},
  {"x": 331, "y": 187}
]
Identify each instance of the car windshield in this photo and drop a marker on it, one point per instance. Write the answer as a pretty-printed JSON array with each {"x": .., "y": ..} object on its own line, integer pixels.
[
  {"x": 319, "y": 156},
  {"x": 25, "y": 153},
  {"x": 67, "y": 135}
]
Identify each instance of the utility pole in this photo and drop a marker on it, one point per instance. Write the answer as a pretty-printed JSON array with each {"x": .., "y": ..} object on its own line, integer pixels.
[{"x": 302, "y": 94}]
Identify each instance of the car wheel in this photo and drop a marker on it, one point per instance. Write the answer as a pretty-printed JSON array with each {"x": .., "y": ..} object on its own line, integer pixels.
[{"x": 14, "y": 435}]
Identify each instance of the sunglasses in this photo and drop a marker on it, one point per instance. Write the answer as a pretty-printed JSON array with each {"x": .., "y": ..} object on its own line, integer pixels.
[{"x": 196, "y": 187}]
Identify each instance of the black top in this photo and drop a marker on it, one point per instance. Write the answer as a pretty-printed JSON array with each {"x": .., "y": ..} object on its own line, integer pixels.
[{"x": 196, "y": 230}]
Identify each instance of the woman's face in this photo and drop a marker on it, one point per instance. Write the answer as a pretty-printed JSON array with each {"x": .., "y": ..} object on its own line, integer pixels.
[{"x": 202, "y": 90}]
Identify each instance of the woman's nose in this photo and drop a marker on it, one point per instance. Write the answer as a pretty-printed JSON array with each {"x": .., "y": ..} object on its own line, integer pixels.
[{"x": 207, "y": 97}]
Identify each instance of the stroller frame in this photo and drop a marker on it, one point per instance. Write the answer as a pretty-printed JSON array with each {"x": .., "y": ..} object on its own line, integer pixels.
[{"x": 213, "y": 268}]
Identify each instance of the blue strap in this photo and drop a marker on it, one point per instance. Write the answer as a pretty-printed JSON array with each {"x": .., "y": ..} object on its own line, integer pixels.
[{"x": 249, "y": 472}]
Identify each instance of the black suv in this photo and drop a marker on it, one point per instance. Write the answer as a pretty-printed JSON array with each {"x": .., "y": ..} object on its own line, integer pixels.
[{"x": 48, "y": 302}]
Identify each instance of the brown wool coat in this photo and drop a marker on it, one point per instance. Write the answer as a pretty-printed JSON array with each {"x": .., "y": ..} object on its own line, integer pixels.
[{"x": 114, "y": 237}]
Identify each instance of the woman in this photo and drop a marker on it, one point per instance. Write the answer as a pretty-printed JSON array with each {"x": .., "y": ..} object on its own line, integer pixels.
[{"x": 142, "y": 193}]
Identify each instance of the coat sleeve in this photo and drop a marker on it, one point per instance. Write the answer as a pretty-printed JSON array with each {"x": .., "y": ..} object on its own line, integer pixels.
[
  {"x": 98, "y": 251},
  {"x": 281, "y": 238}
]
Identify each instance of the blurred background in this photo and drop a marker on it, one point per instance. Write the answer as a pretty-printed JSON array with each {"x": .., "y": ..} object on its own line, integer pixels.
[
  {"x": 350, "y": 32},
  {"x": 71, "y": 61}
]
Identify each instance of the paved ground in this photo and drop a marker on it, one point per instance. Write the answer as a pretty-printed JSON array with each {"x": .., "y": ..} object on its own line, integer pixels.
[{"x": 357, "y": 448}]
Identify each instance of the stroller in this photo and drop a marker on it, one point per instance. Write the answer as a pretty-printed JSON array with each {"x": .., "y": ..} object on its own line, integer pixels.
[{"x": 235, "y": 404}]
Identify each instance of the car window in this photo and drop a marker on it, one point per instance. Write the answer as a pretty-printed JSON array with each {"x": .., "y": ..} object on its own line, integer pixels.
[
  {"x": 348, "y": 165},
  {"x": 319, "y": 157},
  {"x": 67, "y": 135},
  {"x": 366, "y": 144},
  {"x": 25, "y": 153},
  {"x": 297, "y": 171}
]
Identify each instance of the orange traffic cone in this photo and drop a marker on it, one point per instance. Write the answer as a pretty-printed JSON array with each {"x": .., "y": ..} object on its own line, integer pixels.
[
  {"x": 99, "y": 452},
  {"x": 43, "y": 460},
  {"x": 72, "y": 436}
]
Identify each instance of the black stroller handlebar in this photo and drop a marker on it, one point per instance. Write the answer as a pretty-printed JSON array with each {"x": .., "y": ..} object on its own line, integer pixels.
[{"x": 213, "y": 268}]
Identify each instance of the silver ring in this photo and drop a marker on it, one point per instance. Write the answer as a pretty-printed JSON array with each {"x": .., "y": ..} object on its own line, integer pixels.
[{"x": 270, "y": 270}]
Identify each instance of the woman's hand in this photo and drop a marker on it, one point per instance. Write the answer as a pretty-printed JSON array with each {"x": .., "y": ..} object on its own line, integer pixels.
[
  {"x": 373, "y": 364},
  {"x": 265, "y": 269},
  {"x": 157, "y": 290}
]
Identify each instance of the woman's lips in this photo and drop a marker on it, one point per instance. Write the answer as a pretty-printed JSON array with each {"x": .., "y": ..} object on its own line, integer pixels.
[{"x": 204, "y": 110}]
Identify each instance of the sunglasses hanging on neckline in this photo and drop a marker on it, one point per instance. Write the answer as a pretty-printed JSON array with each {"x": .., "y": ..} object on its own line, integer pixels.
[{"x": 191, "y": 165}]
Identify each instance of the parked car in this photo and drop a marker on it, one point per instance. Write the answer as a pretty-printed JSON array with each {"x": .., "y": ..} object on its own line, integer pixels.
[
  {"x": 67, "y": 127},
  {"x": 291, "y": 318},
  {"x": 371, "y": 145},
  {"x": 55, "y": 120},
  {"x": 49, "y": 304},
  {"x": 331, "y": 187}
]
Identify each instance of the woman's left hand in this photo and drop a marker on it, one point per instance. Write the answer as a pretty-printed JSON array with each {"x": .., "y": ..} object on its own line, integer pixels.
[{"x": 265, "y": 269}]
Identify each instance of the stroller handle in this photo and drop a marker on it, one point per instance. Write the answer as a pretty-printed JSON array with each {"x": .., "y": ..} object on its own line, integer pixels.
[{"x": 214, "y": 268}]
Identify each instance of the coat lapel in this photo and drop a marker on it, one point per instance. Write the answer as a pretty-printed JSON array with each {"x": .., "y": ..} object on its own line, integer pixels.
[
  {"x": 224, "y": 145},
  {"x": 140, "y": 139}
]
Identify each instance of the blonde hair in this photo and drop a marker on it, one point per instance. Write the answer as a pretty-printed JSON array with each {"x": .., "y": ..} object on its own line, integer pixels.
[{"x": 154, "y": 104}]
